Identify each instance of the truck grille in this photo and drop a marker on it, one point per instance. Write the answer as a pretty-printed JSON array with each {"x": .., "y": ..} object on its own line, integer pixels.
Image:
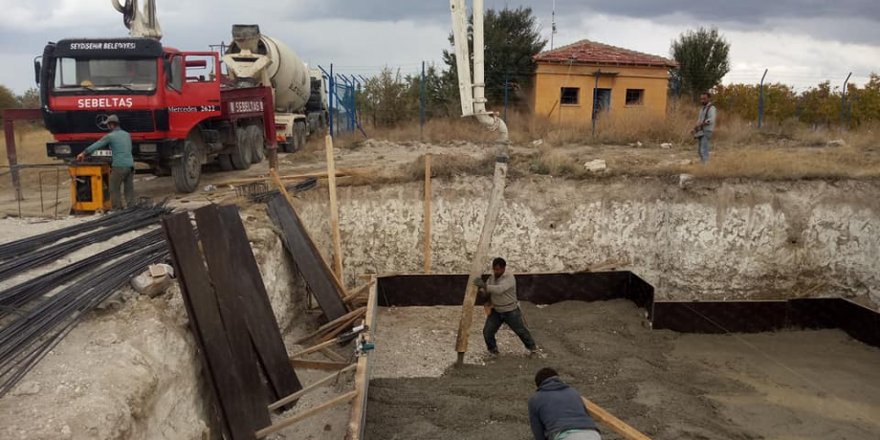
[{"x": 66, "y": 122}]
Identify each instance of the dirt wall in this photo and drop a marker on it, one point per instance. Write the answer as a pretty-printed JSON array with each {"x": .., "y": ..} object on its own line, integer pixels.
[
  {"x": 131, "y": 370},
  {"x": 706, "y": 240}
]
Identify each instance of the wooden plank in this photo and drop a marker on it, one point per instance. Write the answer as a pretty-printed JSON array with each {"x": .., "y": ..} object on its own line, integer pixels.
[
  {"x": 240, "y": 418},
  {"x": 226, "y": 291},
  {"x": 314, "y": 348},
  {"x": 356, "y": 422},
  {"x": 347, "y": 325},
  {"x": 616, "y": 425},
  {"x": 332, "y": 324},
  {"x": 479, "y": 262},
  {"x": 238, "y": 281},
  {"x": 293, "y": 397},
  {"x": 355, "y": 293},
  {"x": 318, "y": 365},
  {"x": 319, "y": 174},
  {"x": 426, "y": 245},
  {"x": 334, "y": 209},
  {"x": 305, "y": 414},
  {"x": 332, "y": 355},
  {"x": 324, "y": 285}
]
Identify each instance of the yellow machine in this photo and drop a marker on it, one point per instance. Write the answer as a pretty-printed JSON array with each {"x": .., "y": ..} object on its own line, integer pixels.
[{"x": 90, "y": 187}]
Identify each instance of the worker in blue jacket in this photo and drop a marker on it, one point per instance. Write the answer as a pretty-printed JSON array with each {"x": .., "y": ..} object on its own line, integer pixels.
[
  {"x": 122, "y": 172},
  {"x": 557, "y": 411}
]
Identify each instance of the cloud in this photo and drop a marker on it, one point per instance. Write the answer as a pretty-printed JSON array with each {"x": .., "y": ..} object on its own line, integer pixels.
[{"x": 802, "y": 42}]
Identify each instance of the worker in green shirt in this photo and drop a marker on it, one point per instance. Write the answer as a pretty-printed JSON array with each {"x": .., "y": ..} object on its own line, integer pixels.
[{"x": 122, "y": 173}]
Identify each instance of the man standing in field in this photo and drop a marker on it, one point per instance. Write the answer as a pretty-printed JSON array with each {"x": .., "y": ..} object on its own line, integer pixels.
[
  {"x": 501, "y": 288},
  {"x": 705, "y": 126},
  {"x": 122, "y": 173}
]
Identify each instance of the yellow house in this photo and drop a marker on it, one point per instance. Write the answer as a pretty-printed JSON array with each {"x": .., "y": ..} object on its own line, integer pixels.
[{"x": 575, "y": 83}]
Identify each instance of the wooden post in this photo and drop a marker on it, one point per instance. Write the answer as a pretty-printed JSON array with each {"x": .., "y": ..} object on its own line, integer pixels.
[
  {"x": 616, "y": 425},
  {"x": 305, "y": 414},
  {"x": 470, "y": 296},
  {"x": 334, "y": 210},
  {"x": 357, "y": 420},
  {"x": 427, "y": 228}
]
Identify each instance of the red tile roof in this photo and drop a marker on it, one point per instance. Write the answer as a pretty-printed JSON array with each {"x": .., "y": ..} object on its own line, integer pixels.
[{"x": 591, "y": 52}]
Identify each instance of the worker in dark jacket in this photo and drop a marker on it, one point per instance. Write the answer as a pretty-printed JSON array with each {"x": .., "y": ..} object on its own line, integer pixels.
[
  {"x": 122, "y": 173},
  {"x": 557, "y": 411}
]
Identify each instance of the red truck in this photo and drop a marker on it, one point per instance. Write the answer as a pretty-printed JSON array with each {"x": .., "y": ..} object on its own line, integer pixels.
[{"x": 180, "y": 109}]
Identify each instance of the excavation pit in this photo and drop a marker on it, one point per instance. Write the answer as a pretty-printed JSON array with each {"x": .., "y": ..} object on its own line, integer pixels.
[{"x": 788, "y": 371}]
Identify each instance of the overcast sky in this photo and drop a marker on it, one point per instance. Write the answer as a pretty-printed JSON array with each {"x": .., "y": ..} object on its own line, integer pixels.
[{"x": 801, "y": 42}]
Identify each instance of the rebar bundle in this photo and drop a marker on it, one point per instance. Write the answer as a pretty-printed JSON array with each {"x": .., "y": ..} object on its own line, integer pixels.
[
  {"x": 31, "y": 335},
  {"x": 16, "y": 248},
  {"x": 260, "y": 192},
  {"x": 123, "y": 222},
  {"x": 17, "y": 297}
]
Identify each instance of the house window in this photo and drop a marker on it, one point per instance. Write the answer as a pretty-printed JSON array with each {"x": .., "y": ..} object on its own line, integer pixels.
[
  {"x": 570, "y": 95},
  {"x": 635, "y": 96}
]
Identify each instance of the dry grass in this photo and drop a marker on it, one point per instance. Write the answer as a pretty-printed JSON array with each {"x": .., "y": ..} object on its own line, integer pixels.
[
  {"x": 446, "y": 165},
  {"x": 30, "y": 145},
  {"x": 790, "y": 164}
]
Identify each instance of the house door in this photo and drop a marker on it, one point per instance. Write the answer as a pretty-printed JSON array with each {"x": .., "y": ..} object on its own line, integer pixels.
[{"x": 601, "y": 101}]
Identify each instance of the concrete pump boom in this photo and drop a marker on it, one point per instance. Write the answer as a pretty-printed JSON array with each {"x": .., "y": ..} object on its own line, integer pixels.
[
  {"x": 473, "y": 93},
  {"x": 141, "y": 23}
]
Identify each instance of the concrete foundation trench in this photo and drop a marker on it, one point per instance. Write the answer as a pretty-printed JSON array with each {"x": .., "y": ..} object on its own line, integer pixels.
[{"x": 131, "y": 371}]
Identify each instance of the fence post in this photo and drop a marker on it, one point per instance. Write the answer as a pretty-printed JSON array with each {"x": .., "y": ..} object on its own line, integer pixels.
[
  {"x": 596, "y": 100},
  {"x": 422, "y": 88},
  {"x": 506, "y": 93},
  {"x": 761, "y": 102},
  {"x": 332, "y": 86},
  {"x": 843, "y": 102}
]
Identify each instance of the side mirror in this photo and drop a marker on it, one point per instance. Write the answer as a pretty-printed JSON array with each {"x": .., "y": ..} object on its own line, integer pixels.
[{"x": 37, "y": 68}]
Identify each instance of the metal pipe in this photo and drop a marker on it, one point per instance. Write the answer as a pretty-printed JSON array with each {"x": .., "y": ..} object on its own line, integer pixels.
[
  {"x": 490, "y": 120},
  {"x": 462, "y": 56}
]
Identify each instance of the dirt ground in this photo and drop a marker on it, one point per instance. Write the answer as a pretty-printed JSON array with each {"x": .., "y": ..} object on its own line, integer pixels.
[{"x": 787, "y": 385}]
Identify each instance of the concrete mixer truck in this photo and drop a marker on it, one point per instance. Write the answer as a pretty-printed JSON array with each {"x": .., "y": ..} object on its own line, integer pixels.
[
  {"x": 254, "y": 59},
  {"x": 181, "y": 110}
]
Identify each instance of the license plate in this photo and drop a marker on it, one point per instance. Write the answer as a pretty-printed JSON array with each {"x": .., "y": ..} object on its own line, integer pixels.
[{"x": 103, "y": 153}]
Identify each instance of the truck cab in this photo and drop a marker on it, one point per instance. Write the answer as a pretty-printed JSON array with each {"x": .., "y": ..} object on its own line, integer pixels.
[{"x": 169, "y": 101}]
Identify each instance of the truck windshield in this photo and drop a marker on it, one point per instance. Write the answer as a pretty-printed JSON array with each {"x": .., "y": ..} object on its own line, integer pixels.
[{"x": 75, "y": 75}]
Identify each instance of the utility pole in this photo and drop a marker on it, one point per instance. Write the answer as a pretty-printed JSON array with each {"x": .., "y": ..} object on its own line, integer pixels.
[
  {"x": 553, "y": 25},
  {"x": 843, "y": 101},
  {"x": 761, "y": 102}
]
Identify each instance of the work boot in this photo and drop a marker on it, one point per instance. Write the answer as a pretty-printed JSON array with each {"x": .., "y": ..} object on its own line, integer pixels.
[
  {"x": 537, "y": 353},
  {"x": 493, "y": 354}
]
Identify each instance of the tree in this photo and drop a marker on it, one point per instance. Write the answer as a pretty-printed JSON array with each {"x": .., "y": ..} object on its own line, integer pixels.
[
  {"x": 703, "y": 58},
  {"x": 7, "y": 98},
  {"x": 512, "y": 39},
  {"x": 30, "y": 98}
]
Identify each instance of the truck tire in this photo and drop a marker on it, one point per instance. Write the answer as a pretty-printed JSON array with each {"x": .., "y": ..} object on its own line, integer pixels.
[
  {"x": 299, "y": 136},
  {"x": 257, "y": 142},
  {"x": 187, "y": 170},
  {"x": 225, "y": 162},
  {"x": 303, "y": 134},
  {"x": 242, "y": 154}
]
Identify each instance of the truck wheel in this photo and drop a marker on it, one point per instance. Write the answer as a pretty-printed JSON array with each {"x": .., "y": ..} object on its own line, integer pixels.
[
  {"x": 225, "y": 162},
  {"x": 187, "y": 170},
  {"x": 257, "y": 142},
  {"x": 304, "y": 135},
  {"x": 242, "y": 154}
]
